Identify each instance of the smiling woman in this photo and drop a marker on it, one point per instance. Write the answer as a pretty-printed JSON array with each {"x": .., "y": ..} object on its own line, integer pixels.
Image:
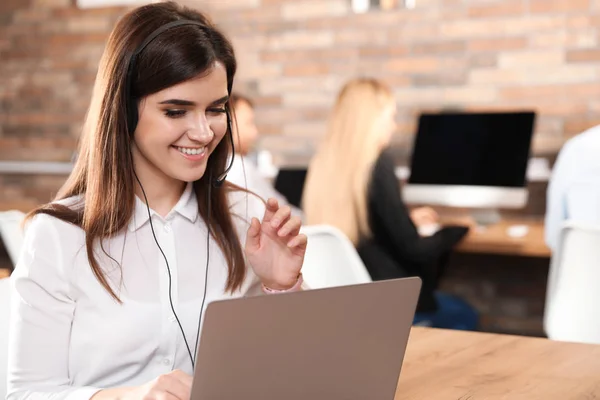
[{"x": 111, "y": 286}]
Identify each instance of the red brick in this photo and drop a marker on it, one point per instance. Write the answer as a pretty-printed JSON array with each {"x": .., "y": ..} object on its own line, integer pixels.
[
  {"x": 483, "y": 60},
  {"x": 413, "y": 64},
  {"x": 549, "y": 91},
  {"x": 7, "y": 6},
  {"x": 289, "y": 56},
  {"x": 498, "y": 44},
  {"x": 398, "y": 80},
  {"x": 306, "y": 70},
  {"x": 451, "y": 79},
  {"x": 574, "y": 126},
  {"x": 97, "y": 11},
  {"x": 293, "y": 10},
  {"x": 362, "y": 38},
  {"x": 53, "y": 4},
  {"x": 558, "y": 6},
  {"x": 70, "y": 39},
  {"x": 528, "y": 58},
  {"x": 267, "y": 101},
  {"x": 563, "y": 107},
  {"x": 498, "y": 9},
  {"x": 568, "y": 39},
  {"x": 587, "y": 55},
  {"x": 384, "y": 51},
  {"x": 519, "y": 25},
  {"x": 439, "y": 47},
  {"x": 495, "y": 77}
]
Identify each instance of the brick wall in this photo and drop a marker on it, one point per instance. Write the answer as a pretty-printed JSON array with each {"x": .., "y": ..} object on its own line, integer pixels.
[
  {"x": 474, "y": 54},
  {"x": 295, "y": 55}
]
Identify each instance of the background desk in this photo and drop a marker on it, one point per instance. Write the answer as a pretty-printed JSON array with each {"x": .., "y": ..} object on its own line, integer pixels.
[
  {"x": 494, "y": 239},
  {"x": 442, "y": 364}
]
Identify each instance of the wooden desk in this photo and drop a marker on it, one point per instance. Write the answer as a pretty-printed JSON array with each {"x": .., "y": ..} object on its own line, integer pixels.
[
  {"x": 441, "y": 364},
  {"x": 495, "y": 239}
]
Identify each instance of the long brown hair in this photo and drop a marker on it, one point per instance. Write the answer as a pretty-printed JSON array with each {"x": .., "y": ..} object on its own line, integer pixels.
[{"x": 103, "y": 174}]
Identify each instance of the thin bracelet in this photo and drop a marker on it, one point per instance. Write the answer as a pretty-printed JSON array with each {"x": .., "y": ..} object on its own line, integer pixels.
[{"x": 297, "y": 287}]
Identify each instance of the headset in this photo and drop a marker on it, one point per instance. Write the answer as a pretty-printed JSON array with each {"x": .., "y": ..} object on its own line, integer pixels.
[{"x": 132, "y": 121}]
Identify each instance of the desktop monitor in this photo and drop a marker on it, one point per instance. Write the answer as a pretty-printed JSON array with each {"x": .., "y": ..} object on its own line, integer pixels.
[{"x": 471, "y": 160}]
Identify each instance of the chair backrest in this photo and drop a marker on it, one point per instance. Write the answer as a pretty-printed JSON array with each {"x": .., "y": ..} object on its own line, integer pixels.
[
  {"x": 331, "y": 259},
  {"x": 573, "y": 290},
  {"x": 11, "y": 233},
  {"x": 4, "y": 317}
]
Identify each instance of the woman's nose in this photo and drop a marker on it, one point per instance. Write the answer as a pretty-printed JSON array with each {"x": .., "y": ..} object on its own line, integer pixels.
[{"x": 201, "y": 132}]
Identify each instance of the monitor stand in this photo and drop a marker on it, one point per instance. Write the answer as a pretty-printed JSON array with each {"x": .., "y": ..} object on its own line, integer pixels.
[{"x": 486, "y": 216}]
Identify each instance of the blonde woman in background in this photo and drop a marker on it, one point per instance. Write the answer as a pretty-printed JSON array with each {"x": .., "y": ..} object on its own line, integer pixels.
[{"x": 351, "y": 185}]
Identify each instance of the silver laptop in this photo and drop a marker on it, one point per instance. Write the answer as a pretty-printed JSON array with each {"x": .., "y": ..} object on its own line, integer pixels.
[{"x": 339, "y": 343}]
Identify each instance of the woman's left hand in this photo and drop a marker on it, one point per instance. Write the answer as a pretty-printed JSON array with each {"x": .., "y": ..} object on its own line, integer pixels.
[{"x": 275, "y": 248}]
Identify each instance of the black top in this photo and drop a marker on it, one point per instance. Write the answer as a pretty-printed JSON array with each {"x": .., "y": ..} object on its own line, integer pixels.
[
  {"x": 290, "y": 183},
  {"x": 396, "y": 249}
]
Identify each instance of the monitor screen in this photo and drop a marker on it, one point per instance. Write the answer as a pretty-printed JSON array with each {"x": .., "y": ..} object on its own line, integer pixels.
[{"x": 473, "y": 149}]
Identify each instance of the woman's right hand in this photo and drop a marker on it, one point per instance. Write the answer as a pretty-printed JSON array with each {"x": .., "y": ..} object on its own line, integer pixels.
[{"x": 175, "y": 385}]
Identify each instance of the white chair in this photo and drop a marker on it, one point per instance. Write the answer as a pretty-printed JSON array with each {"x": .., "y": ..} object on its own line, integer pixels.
[
  {"x": 11, "y": 233},
  {"x": 4, "y": 316},
  {"x": 331, "y": 259},
  {"x": 573, "y": 290}
]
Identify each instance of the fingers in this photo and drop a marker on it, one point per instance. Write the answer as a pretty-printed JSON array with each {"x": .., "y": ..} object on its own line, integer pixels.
[
  {"x": 276, "y": 216},
  {"x": 281, "y": 216},
  {"x": 254, "y": 228},
  {"x": 175, "y": 385},
  {"x": 182, "y": 376},
  {"x": 270, "y": 210},
  {"x": 291, "y": 227},
  {"x": 180, "y": 385},
  {"x": 424, "y": 216},
  {"x": 253, "y": 235},
  {"x": 429, "y": 213},
  {"x": 159, "y": 395},
  {"x": 179, "y": 390},
  {"x": 298, "y": 242}
]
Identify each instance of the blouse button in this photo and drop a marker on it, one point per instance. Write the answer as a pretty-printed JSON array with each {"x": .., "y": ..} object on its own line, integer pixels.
[{"x": 167, "y": 228}]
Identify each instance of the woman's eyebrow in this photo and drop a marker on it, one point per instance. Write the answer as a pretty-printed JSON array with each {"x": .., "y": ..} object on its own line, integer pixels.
[{"x": 178, "y": 102}]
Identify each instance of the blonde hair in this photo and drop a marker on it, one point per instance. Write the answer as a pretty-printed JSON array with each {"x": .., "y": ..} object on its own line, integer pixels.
[{"x": 336, "y": 187}]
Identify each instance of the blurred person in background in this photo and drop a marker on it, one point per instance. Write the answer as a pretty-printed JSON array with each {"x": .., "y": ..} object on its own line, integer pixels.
[
  {"x": 244, "y": 171},
  {"x": 114, "y": 276},
  {"x": 574, "y": 187},
  {"x": 351, "y": 185}
]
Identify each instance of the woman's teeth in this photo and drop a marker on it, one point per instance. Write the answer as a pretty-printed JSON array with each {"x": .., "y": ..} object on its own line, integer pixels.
[{"x": 190, "y": 151}]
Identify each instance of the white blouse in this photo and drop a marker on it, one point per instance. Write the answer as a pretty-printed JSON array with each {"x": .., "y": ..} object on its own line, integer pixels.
[{"x": 69, "y": 337}]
